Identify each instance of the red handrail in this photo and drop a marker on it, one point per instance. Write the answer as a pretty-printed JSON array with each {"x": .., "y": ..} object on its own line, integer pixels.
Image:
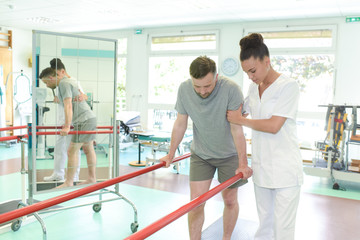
[
  {"x": 17, "y": 213},
  {"x": 156, "y": 226},
  {"x": 50, "y": 127},
  {"x": 60, "y": 127},
  {"x": 105, "y": 127},
  {"x": 74, "y": 132},
  {"x": 13, "y": 128},
  {"x": 7, "y": 138}
]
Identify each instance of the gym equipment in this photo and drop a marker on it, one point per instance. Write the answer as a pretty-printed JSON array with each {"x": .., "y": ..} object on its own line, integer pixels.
[{"x": 332, "y": 155}]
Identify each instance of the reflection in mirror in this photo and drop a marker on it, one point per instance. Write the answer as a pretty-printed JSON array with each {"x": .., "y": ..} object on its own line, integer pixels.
[{"x": 74, "y": 95}]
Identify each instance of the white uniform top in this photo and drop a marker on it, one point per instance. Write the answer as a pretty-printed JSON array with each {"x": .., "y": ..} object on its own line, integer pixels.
[{"x": 276, "y": 159}]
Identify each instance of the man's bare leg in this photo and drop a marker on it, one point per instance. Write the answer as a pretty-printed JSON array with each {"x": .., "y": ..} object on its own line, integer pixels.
[
  {"x": 73, "y": 162},
  {"x": 89, "y": 151},
  {"x": 231, "y": 211},
  {"x": 196, "y": 216}
]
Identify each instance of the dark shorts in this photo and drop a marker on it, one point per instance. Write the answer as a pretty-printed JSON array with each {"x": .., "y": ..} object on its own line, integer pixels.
[
  {"x": 88, "y": 125},
  {"x": 204, "y": 169}
]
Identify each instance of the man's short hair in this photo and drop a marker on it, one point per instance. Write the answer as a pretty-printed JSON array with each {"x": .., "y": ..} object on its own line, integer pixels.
[
  {"x": 47, "y": 72},
  {"x": 201, "y": 66}
]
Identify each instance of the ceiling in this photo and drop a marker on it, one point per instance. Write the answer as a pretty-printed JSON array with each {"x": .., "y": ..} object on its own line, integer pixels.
[{"x": 97, "y": 15}]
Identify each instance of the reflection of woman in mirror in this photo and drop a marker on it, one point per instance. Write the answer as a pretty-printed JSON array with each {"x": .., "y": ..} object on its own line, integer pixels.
[
  {"x": 62, "y": 143},
  {"x": 81, "y": 116}
]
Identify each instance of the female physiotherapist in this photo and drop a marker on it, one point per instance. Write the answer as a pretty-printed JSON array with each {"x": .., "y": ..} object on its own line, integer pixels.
[{"x": 272, "y": 102}]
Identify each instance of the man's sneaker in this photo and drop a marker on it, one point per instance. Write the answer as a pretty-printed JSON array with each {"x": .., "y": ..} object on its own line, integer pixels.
[{"x": 53, "y": 177}]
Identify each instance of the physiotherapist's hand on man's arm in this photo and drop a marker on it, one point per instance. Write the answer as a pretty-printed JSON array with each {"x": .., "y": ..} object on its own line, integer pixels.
[
  {"x": 236, "y": 116},
  {"x": 81, "y": 97}
]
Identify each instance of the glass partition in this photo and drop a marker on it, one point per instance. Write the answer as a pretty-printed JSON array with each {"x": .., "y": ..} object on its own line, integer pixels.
[{"x": 82, "y": 90}]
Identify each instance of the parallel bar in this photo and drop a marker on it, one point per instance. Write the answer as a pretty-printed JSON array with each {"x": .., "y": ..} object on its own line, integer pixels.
[
  {"x": 74, "y": 132},
  {"x": 50, "y": 127},
  {"x": 60, "y": 127},
  {"x": 17, "y": 213},
  {"x": 13, "y": 128},
  {"x": 159, "y": 224},
  {"x": 105, "y": 127},
  {"x": 7, "y": 138}
]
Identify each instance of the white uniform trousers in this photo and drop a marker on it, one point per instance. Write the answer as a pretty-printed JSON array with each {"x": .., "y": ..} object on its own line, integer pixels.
[
  {"x": 60, "y": 156},
  {"x": 277, "y": 209}
]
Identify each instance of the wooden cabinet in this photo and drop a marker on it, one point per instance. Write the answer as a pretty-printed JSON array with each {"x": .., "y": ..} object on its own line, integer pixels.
[{"x": 6, "y": 62}]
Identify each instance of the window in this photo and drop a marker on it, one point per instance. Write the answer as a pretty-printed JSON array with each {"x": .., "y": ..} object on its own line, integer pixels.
[
  {"x": 308, "y": 56},
  {"x": 314, "y": 74},
  {"x": 169, "y": 62},
  {"x": 165, "y": 76}
]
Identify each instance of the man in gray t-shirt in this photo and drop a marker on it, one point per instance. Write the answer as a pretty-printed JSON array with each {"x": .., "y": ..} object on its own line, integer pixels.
[
  {"x": 217, "y": 144},
  {"x": 81, "y": 110},
  {"x": 81, "y": 116}
]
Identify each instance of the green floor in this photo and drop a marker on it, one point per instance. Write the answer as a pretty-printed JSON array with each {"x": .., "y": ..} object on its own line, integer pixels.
[{"x": 115, "y": 218}]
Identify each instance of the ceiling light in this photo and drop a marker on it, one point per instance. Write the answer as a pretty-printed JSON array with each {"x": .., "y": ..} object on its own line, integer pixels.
[{"x": 42, "y": 20}]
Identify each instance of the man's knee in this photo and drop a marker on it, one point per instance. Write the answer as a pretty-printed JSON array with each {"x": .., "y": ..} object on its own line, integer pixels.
[
  {"x": 199, "y": 209},
  {"x": 71, "y": 151},
  {"x": 230, "y": 197},
  {"x": 88, "y": 147}
]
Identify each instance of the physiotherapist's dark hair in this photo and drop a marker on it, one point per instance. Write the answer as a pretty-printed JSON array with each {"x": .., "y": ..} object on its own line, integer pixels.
[
  {"x": 253, "y": 46},
  {"x": 201, "y": 66},
  {"x": 57, "y": 64}
]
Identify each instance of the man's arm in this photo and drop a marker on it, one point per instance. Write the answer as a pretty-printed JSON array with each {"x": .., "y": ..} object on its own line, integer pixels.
[
  {"x": 56, "y": 99},
  {"x": 240, "y": 145},
  {"x": 68, "y": 116},
  {"x": 178, "y": 131}
]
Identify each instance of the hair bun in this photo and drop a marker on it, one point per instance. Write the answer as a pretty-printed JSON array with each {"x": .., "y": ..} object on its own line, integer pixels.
[
  {"x": 55, "y": 62},
  {"x": 253, "y": 40}
]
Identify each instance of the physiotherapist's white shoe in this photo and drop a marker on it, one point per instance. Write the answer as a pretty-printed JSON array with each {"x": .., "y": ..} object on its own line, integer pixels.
[{"x": 53, "y": 177}]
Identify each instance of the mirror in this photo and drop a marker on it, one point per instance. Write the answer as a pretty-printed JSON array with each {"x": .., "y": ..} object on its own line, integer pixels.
[{"x": 89, "y": 81}]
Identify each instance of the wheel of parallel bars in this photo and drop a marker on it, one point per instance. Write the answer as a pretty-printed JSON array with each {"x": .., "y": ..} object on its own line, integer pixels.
[
  {"x": 16, "y": 224},
  {"x": 97, "y": 207}
]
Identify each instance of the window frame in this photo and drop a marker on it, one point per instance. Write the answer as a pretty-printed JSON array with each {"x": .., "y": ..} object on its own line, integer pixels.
[
  {"x": 183, "y": 52},
  {"x": 178, "y": 53}
]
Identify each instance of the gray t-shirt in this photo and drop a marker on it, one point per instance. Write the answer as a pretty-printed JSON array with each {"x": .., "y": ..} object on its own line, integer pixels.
[
  {"x": 212, "y": 136},
  {"x": 81, "y": 110}
]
